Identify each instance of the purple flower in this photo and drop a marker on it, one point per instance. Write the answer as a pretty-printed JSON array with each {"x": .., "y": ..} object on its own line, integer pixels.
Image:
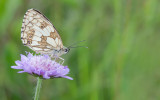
[{"x": 42, "y": 66}]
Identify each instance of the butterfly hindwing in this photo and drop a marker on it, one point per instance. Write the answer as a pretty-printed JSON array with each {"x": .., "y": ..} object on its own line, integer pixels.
[{"x": 38, "y": 33}]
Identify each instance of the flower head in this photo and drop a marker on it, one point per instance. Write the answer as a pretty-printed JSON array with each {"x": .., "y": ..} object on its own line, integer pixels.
[{"x": 42, "y": 66}]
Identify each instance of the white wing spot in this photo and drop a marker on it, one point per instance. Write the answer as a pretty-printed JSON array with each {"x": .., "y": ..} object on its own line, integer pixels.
[
  {"x": 37, "y": 33},
  {"x": 35, "y": 48},
  {"x": 23, "y": 25},
  {"x": 38, "y": 16},
  {"x": 46, "y": 32},
  {"x": 51, "y": 28},
  {"x": 40, "y": 20},
  {"x": 24, "y": 41},
  {"x": 48, "y": 29},
  {"x": 56, "y": 40},
  {"x": 35, "y": 43},
  {"x": 60, "y": 42},
  {"x": 30, "y": 18},
  {"x": 38, "y": 24},
  {"x": 46, "y": 49},
  {"x": 34, "y": 21},
  {"x": 36, "y": 38},
  {"x": 26, "y": 17},
  {"x": 51, "y": 41},
  {"x": 27, "y": 29},
  {"x": 29, "y": 24},
  {"x": 34, "y": 12},
  {"x": 24, "y": 35},
  {"x": 30, "y": 14},
  {"x": 26, "y": 22},
  {"x": 48, "y": 46}
]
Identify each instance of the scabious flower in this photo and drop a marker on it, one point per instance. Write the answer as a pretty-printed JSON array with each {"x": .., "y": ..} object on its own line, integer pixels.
[{"x": 42, "y": 66}]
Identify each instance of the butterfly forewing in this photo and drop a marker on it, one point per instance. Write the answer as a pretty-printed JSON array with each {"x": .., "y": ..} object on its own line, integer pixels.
[{"x": 39, "y": 34}]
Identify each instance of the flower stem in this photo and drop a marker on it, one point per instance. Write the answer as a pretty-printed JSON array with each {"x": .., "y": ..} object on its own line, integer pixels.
[{"x": 38, "y": 87}]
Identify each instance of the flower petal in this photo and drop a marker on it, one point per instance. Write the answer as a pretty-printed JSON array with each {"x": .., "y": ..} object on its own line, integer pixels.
[
  {"x": 67, "y": 77},
  {"x": 16, "y": 67},
  {"x": 21, "y": 71}
]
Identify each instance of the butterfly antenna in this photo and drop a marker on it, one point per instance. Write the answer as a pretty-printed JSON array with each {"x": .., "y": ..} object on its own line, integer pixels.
[{"x": 75, "y": 44}]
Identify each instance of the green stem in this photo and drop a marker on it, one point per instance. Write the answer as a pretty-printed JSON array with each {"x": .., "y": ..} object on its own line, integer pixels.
[{"x": 38, "y": 87}]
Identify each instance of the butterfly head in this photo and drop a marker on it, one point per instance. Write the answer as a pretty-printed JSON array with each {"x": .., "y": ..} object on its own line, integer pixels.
[
  {"x": 62, "y": 51},
  {"x": 65, "y": 50}
]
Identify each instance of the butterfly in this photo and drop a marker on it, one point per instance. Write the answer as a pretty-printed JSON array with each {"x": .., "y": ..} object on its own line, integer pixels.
[{"x": 39, "y": 34}]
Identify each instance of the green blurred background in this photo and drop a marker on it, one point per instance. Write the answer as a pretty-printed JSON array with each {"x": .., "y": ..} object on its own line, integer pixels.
[{"x": 121, "y": 63}]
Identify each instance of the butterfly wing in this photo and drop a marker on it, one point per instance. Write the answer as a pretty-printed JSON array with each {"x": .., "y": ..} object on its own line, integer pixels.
[{"x": 39, "y": 34}]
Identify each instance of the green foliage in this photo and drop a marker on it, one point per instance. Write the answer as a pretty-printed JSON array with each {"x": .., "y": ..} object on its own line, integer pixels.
[{"x": 122, "y": 59}]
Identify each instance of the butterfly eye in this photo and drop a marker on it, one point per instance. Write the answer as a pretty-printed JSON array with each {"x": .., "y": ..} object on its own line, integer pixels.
[{"x": 66, "y": 50}]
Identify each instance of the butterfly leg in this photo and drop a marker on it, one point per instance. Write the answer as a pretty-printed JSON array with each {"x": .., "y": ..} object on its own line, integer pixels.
[
  {"x": 62, "y": 60},
  {"x": 56, "y": 57}
]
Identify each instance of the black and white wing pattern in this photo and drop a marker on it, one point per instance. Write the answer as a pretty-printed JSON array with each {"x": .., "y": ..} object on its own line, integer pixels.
[{"x": 39, "y": 34}]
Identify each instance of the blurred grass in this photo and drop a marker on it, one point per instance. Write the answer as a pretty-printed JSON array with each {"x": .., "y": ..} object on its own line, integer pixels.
[{"x": 121, "y": 63}]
